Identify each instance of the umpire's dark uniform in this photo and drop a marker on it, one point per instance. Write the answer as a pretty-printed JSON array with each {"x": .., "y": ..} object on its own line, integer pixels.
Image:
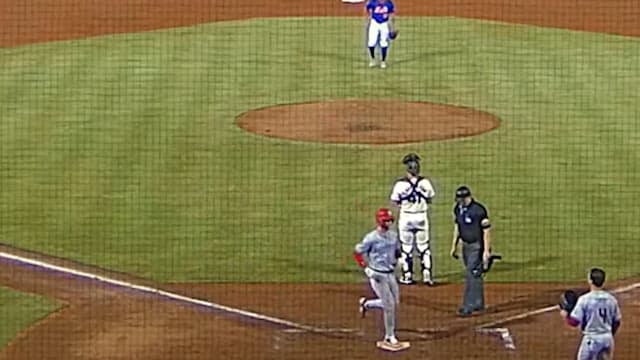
[{"x": 472, "y": 221}]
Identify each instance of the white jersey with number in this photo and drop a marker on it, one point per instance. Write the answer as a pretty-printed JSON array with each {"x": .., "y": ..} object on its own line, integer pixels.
[{"x": 412, "y": 194}]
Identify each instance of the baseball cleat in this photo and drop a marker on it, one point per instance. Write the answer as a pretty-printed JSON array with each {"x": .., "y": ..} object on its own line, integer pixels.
[
  {"x": 363, "y": 309},
  {"x": 405, "y": 281},
  {"x": 391, "y": 340},
  {"x": 429, "y": 282},
  {"x": 463, "y": 312},
  {"x": 383, "y": 65},
  {"x": 372, "y": 63}
]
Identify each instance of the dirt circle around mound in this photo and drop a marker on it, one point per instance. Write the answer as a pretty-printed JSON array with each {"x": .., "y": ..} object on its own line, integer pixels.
[{"x": 367, "y": 122}]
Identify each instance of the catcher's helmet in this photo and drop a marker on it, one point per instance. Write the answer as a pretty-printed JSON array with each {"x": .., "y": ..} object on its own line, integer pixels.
[
  {"x": 412, "y": 161},
  {"x": 383, "y": 215},
  {"x": 462, "y": 192}
]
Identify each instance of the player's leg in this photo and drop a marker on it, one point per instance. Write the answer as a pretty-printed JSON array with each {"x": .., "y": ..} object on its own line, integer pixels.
[
  {"x": 407, "y": 243},
  {"x": 376, "y": 286},
  {"x": 423, "y": 245},
  {"x": 372, "y": 40},
  {"x": 384, "y": 43},
  {"x": 588, "y": 349},
  {"x": 382, "y": 287},
  {"x": 390, "y": 299},
  {"x": 473, "y": 299}
]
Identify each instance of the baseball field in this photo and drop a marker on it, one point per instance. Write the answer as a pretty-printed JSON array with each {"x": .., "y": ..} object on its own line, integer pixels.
[{"x": 187, "y": 179}]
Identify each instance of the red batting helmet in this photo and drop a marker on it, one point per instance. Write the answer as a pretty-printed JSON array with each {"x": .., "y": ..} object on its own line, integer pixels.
[{"x": 383, "y": 215}]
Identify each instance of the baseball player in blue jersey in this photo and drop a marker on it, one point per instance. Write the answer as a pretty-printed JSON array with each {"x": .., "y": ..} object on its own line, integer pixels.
[
  {"x": 378, "y": 254},
  {"x": 380, "y": 14},
  {"x": 598, "y": 315}
]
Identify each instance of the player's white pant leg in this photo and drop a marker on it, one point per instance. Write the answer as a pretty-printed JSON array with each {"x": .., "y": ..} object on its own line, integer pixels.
[
  {"x": 423, "y": 245},
  {"x": 374, "y": 34},
  {"x": 384, "y": 35},
  {"x": 407, "y": 244},
  {"x": 386, "y": 288}
]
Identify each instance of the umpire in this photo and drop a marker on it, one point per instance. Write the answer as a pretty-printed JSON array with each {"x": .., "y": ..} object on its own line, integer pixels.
[{"x": 472, "y": 227}]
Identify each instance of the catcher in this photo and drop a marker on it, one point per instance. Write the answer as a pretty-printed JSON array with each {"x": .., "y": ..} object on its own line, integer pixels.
[{"x": 597, "y": 313}]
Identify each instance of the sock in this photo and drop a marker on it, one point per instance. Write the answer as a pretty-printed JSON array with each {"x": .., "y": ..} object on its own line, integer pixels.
[
  {"x": 384, "y": 53},
  {"x": 372, "y": 52},
  {"x": 373, "y": 304}
]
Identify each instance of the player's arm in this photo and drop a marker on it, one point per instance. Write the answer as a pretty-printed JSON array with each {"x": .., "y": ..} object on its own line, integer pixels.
[
  {"x": 485, "y": 224},
  {"x": 392, "y": 14},
  {"x": 575, "y": 317},
  {"x": 617, "y": 318},
  {"x": 359, "y": 252},
  {"x": 456, "y": 237},
  {"x": 368, "y": 9},
  {"x": 429, "y": 191},
  {"x": 394, "y": 198}
]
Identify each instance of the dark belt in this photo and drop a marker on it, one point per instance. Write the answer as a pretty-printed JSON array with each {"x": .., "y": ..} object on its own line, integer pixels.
[
  {"x": 382, "y": 272},
  {"x": 414, "y": 212}
]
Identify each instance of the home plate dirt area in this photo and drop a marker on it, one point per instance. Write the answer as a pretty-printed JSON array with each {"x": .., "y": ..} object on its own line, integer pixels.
[{"x": 103, "y": 316}]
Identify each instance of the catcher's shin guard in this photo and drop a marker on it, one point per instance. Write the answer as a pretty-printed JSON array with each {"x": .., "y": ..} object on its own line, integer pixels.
[
  {"x": 406, "y": 262},
  {"x": 426, "y": 266}
]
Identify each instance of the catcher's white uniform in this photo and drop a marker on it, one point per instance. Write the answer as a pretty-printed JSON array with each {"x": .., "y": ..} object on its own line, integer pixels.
[{"x": 412, "y": 195}]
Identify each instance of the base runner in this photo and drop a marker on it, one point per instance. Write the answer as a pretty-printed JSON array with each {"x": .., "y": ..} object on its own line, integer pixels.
[{"x": 378, "y": 255}]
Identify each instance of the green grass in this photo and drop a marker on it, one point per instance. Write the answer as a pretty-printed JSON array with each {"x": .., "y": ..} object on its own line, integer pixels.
[
  {"x": 122, "y": 151},
  {"x": 18, "y": 311}
]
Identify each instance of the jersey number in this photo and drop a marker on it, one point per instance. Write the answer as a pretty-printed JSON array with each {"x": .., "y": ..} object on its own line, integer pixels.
[{"x": 603, "y": 314}]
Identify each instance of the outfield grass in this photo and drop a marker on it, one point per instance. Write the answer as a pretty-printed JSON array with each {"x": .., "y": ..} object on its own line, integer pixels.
[
  {"x": 18, "y": 311},
  {"x": 122, "y": 151}
]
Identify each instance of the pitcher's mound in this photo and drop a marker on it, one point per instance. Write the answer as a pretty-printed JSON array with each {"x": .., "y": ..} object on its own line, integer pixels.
[{"x": 367, "y": 122}]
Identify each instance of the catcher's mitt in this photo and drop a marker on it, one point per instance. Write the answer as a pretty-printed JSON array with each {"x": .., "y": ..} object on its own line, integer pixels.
[
  {"x": 568, "y": 301},
  {"x": 393, "y": 34}
]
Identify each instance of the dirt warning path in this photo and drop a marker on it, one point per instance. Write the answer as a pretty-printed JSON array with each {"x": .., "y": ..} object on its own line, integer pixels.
[{"x": 30, "y": 21}]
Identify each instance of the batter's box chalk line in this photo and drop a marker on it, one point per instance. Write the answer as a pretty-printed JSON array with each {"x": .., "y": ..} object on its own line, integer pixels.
[
  {"x": 492, "y": 327},
  {"x": 503, "y": 333}
]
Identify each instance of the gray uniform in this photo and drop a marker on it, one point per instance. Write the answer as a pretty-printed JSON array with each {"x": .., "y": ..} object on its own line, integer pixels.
[
  {"x": 469, "y": 220},
  {"x": 596, "y": 311},
  {"x": 381, "y": 251}
]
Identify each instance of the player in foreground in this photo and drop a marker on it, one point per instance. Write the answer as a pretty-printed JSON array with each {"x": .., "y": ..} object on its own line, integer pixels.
[
  {"x": 598, "y": 315},
  {"x": 378, "y": 254}
]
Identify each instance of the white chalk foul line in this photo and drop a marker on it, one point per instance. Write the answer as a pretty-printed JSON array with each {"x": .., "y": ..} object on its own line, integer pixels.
[
  {"x": 505, "y": 335},
  {"x": 173, "y": 296},
  {"x": 493, "y": 324}
]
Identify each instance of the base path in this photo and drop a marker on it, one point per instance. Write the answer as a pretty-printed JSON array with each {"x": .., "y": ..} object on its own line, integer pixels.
[
  {"x": 99, "y": 320},
  {"x": 29, "y": 21},
  {"x": 367, "y": 122}
]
